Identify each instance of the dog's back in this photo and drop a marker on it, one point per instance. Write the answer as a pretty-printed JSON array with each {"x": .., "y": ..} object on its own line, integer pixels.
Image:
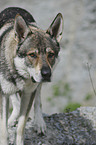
[
  {"x": 7, "y": 18},
  {"x": 9, "y": 14}
]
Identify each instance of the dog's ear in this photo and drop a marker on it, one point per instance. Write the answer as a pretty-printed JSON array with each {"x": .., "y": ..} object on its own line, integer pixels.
[
  {"x": 56, "y": 27},
  {"x": 21, "y": 28}
]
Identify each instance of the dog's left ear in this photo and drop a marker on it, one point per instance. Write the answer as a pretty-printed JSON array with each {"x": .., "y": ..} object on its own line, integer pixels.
[
  {"x": 56, "y": 27},
  {"x": 21, "y": 29}
]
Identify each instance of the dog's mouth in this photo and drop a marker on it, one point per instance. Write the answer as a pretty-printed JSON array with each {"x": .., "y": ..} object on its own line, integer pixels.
[
  {"x": 46, "y": 79},
  {"x": 42, "y": 80},
  {"x": 33, "y": 80}
]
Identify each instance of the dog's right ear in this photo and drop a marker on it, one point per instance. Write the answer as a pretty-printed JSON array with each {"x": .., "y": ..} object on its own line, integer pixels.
[{"x": 21, "y": 29}]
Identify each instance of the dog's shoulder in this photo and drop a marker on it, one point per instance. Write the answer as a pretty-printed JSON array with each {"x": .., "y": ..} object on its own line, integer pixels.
[{"x": 9, "y": 14}]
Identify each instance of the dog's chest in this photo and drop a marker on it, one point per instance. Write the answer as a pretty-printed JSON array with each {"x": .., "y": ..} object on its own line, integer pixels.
[
  {"x": 30, "y": 86},
  {"x": 9, "y": 88}
]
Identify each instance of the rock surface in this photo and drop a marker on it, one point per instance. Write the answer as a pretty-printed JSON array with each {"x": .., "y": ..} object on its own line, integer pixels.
[{"x": 78, "y": 127}]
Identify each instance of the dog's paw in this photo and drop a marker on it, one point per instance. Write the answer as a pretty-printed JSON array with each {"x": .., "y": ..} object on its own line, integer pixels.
[{"x": 40, "y": 125}]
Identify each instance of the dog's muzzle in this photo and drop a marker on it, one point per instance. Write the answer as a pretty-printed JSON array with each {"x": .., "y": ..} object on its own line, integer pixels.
[
  {"x": 33, "y": 80},
  {"x": 46, "y": 74}
]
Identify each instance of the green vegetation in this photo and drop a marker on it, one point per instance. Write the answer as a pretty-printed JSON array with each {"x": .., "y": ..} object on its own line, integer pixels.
[
  {"x": 71, "y": 107},
  {"x": 88, "y": 97},
  {"x": 56, "y": 90},
  {"x": 49, "y": 99},
  {"x": 62, "y": 89}
]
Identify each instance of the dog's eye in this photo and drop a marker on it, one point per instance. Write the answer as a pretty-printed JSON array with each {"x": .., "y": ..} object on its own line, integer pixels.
[
  {"x": 33, "y": 55},
  {"x": 51, "y": 55}
]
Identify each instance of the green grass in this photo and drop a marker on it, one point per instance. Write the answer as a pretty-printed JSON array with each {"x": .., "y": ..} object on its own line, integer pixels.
[
  {"x": 56, "y": 90},
  {"x": 49, "y": 99},
  {"x": 62, "y": 89},
  {"x": 71, "y": 107},
  {"x": 88, "y": 97}
]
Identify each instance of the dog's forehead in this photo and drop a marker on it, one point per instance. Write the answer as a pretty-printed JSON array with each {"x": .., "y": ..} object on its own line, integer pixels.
[{"x": 42, "y": 41}]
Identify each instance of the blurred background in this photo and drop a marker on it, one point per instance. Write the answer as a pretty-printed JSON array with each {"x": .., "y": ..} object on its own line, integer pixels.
[{"x": 71, "y": 86}]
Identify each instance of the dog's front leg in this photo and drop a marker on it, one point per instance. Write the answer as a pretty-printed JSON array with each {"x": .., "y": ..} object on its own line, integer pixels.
[
  {"x": 39, "y": 123},
  {"x": 15, "y": 98},
  {"x": 4, "y": 107},
  {"x": 26, "y": 103}
]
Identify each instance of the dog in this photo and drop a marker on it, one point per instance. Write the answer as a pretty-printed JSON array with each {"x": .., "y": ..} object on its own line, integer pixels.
[{"x": 27, "y": 59}]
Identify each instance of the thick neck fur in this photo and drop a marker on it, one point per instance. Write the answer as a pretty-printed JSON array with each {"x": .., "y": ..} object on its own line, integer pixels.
[
  {"x": 12, "y": 77},
  {"x": 10, "y": 49}
]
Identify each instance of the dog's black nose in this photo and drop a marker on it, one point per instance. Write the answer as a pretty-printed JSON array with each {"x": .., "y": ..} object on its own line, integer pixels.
[{"x": 46, "y": 73}]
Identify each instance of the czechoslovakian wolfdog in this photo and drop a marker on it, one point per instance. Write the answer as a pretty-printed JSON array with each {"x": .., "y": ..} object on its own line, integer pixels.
[{"x": 27, "y": 58}]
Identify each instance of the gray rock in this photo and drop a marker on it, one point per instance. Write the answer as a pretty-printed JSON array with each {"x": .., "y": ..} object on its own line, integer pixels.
[{"x": 78, "y": 127}]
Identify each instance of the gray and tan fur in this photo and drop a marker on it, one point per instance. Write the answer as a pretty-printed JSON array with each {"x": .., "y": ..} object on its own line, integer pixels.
[{"x": 27, "y": 58}]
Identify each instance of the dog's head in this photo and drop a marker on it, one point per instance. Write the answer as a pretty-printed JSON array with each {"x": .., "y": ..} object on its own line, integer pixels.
[{"x": 37, "y": 50}]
